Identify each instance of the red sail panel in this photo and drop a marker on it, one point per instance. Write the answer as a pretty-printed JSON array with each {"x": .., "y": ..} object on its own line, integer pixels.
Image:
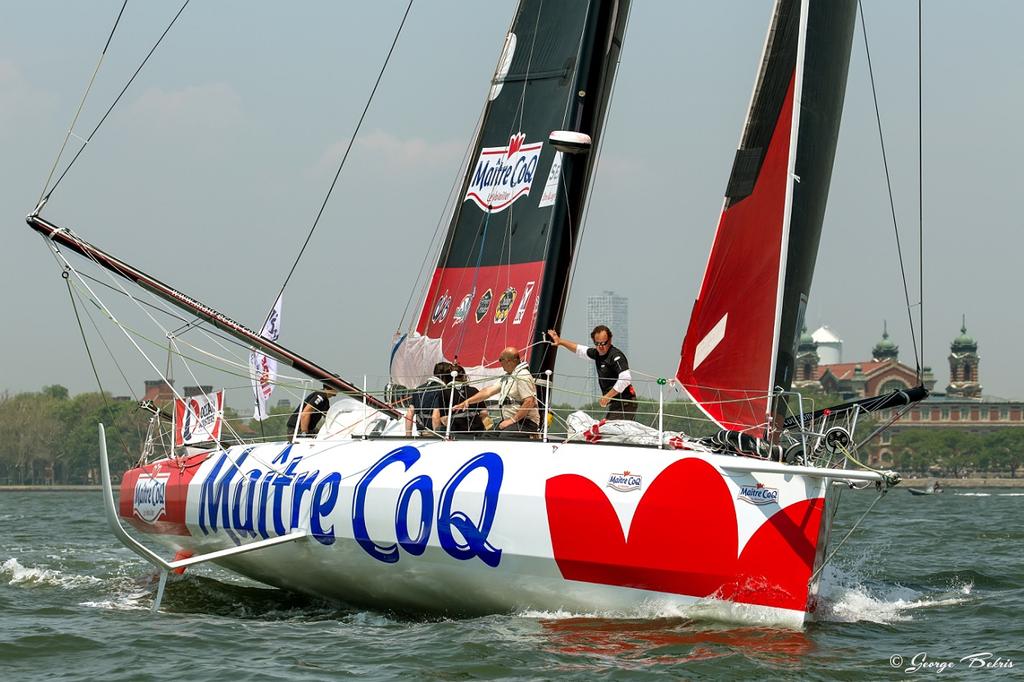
[
  {"x": 726, "y": 360},
  {"x": 476, "y": 312}
]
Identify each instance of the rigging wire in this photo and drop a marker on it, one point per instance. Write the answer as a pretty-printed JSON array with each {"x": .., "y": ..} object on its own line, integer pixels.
[
  {"x": 920, "y": 173},
  {"x": 513, "y": 126},
  {"x": 92, "y": 363},
  {"x": 574, "y": 257},
  {"x": 590, "y": 190},
  {"x": 116, "y": 100},
  {"x": 128, "y": 334},
  {"x": 81, "y": 104},
  {"x": 344, "y": 158},
  {"x": 918, "y": 358},
  {"x": 432, "y": 252},
  {"x": 444, "y": 246}
]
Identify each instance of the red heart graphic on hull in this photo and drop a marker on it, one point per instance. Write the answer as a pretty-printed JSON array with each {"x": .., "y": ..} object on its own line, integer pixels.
[{"x": 683, "y": 539}]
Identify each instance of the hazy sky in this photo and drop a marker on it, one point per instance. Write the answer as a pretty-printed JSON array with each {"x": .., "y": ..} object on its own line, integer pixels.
[{"x": 210, "y": 171}]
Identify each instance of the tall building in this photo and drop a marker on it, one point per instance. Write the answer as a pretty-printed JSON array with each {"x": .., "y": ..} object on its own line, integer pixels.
[{"x": 611, "y": 310}]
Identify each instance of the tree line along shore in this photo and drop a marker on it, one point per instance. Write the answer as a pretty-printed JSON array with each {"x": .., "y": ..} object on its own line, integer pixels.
[{"x": 49, "y": 438}]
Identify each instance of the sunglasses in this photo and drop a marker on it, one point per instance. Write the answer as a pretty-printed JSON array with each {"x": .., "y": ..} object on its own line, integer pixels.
[{"x": 601, "y": 344}]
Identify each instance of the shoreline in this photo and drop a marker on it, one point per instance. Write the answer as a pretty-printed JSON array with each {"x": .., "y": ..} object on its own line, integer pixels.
[
  {"x": 905, "y": 483},
  {"x": 48, "y": 488},
  {"x": 963, "y": 482}
]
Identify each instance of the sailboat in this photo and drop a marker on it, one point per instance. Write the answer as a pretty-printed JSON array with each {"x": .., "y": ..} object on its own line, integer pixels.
[{"x": 735, "y": 526}]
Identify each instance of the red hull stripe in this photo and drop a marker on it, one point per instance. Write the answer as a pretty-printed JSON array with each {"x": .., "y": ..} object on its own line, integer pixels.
[{"x": 153, "y": 497}]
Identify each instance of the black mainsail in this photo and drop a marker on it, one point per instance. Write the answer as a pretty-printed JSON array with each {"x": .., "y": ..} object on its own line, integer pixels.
[{"x": 502, "y": 275}]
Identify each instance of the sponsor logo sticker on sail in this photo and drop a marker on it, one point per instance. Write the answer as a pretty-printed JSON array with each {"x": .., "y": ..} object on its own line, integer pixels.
[
  {"x": 521, "y": 310},
  {"x": 484, "y": 305},
  {"x": 441, "y": 308},
  {"x": 551, "y": 186},
  {"x": 150, "y": 500},
  {"x": 504, "y": 305},
  {"x": 503, "y": 174},
  {"x": 463, "y": 310}
]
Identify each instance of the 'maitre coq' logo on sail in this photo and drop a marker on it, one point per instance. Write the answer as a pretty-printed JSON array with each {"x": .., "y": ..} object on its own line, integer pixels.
[{"x": 503, "y": 174}]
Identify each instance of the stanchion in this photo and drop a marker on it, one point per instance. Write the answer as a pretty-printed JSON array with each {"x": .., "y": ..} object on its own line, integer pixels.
[
  {"x": 451, "y": 403},
  {"x": 661, "y": 412},
  {"x": 547, "y": 405}
]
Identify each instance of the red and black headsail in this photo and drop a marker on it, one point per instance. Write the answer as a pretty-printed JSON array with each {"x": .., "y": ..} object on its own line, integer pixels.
[
  {"x": 740, "y": 346},
  {"x": 502, "y": 274}
]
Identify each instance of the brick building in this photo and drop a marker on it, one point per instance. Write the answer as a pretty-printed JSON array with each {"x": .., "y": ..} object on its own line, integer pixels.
[{"x": 961, "y": 406}]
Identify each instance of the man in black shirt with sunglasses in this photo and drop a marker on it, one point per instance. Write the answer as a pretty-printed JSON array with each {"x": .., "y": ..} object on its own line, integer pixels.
[{"x": 613, "y": 376}]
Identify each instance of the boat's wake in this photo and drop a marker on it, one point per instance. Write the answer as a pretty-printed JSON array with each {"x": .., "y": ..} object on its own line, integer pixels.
[
  {"x": 708, "y": 610},
  {"x": 846, "y": 597},
  {"x": 16, "y": 574}
]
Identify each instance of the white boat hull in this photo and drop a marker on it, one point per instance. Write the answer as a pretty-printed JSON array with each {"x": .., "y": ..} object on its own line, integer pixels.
[{"x": 470, "y": 527}]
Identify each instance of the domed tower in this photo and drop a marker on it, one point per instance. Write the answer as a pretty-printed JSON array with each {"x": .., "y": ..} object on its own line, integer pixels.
[
  {"x": 885, "y": 349},
  {"x": 963, "y": 365},
  {"x": 830, "y": 346},
  {"x": 806, "y": 361}
]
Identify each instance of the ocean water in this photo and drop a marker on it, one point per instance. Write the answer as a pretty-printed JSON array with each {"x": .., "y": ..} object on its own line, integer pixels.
[{"x": 929, "y": 586}]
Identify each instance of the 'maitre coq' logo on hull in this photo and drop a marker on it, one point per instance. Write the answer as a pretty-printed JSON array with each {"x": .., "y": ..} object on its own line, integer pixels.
[{"x": 503, "y": 174}]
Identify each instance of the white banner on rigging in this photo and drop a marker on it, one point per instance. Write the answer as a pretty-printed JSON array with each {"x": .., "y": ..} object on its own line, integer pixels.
[
  {"x": 263, "y": 369},
  {"x": 197, "y": 419}
]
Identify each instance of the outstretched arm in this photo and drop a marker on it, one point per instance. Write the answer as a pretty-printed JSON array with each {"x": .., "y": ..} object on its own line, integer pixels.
[
  {"x": 559, "y": 341},
  {"x": 477, "y": 397}
]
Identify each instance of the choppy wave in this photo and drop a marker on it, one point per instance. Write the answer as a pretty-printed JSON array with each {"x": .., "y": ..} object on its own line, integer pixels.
[
  {"x": 17, "y": 574},
  {"x": 989, "y": 494},
  {"x": 845, "y": 597}
]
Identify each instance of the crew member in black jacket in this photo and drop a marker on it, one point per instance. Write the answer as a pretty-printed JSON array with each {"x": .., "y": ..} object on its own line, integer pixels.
[{"x": 618, "y": 394}]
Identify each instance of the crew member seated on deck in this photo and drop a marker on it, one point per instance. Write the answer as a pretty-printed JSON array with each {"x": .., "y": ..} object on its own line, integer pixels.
[
  {"x": 428, "y": 400},
  {"x": 613, "y": 375},
  {"x": 311, "y": 411},
  {"x": 470, "y": 420},
  {"x": 517, "y": 393}
]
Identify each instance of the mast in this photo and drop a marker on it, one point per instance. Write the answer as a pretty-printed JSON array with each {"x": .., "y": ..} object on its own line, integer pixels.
[
  {"x": 828, "y": 39},
  {"x": 502, "y": 274},
  {"x": 740, "y": 345},
  {"x": 63, "y": 237}
]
